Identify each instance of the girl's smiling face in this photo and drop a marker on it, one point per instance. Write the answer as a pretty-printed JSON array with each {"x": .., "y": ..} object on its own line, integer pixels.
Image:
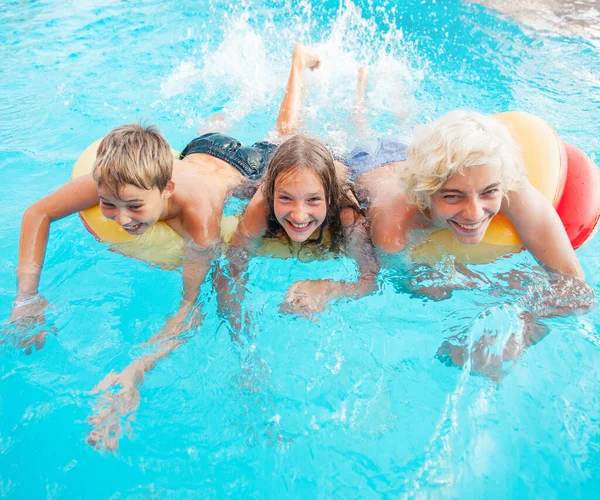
[
  {"x": 467, "y": 202},
  {"x": 299, "y": 203}
]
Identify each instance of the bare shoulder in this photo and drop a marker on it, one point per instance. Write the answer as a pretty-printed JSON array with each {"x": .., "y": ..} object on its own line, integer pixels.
[
  {"x": 391, "y": 219},
  {"x": 256, "y": 217},
  {"x": 350, "y": 217},
  {"x": 201, "y": 222},
  {"x": 526, "y": 201}
]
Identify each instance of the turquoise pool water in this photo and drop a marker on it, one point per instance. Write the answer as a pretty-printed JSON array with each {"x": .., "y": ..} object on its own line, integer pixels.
[{"x": 353, "y": 405}]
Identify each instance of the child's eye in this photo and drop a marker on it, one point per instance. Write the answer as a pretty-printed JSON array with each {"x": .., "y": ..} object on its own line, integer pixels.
[
  {"x": 315, "y": 199},
  {"x": 451, "y": 197},
  {"x": 491, "y": 191},
  {"x": 135, "y": 207},
  {"x": 106, "y": 204},
  {"x": 284, "y": 198}
]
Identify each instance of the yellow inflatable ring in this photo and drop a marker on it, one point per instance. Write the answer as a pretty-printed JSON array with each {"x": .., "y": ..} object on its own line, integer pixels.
[
  {"x": 546, "y": 164},
  {"x": 162, "y": 245}
]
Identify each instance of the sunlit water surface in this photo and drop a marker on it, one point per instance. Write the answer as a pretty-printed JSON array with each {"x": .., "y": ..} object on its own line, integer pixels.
[{"x": 353, "y": 405}]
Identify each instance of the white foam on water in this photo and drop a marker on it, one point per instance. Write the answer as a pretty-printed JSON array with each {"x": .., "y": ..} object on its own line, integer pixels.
[
  {"x": 186, "y": 74},
  {"x": 248, "y": 70},
  {"x": 564, "y": 17}
]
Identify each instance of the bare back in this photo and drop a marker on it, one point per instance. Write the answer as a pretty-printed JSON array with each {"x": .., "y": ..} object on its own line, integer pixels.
[{"x": 202, "y": 184}]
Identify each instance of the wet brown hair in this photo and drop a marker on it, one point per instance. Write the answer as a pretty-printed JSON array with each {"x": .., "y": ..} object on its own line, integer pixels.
[
  {"x": 303, "y": 152},
  {"x": 133, "y": 154}
]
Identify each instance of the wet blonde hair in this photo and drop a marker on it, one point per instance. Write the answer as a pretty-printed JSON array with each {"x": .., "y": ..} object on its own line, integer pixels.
[
  {"x": 456, "y": 141},
  {"x": 133, "y": 154}
]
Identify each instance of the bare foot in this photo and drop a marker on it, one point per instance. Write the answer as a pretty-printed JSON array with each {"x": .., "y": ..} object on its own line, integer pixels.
[{"x": 303, "y": 58}]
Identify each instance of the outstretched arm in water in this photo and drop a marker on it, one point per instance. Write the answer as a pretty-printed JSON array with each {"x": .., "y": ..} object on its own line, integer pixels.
[
  {"x": 75, "y": 196},
  {"x": 231, "y": 280},
  {"x": 312, "y": 296},
  {"x": 534, "y": 296},
  {"x": 115, "y": 405}
]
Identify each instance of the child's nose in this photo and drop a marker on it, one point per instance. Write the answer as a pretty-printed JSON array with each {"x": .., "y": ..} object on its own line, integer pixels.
[
  {"x": 122, "y": 218},
  {"x": 298, "y": 214},
  {"x": 473, "y": 210}
]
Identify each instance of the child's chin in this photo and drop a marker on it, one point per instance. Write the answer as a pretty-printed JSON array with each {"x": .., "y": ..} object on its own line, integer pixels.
[
  {"x": 470, "y": 240},
  {"x": 297, "y": 238}
]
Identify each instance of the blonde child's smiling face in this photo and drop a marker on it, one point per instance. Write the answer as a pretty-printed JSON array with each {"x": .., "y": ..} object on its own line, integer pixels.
[
  {"x": 133, "y": 208},
  {"x": 467, "y": 202},
  {"x": 299, "y": 203}
]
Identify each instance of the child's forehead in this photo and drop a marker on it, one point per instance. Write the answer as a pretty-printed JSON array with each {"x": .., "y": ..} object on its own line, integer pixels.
[
  {"x": 474, "y": 176},
  {"x": 127, "y": 192},
  {"x": 298, "y": 177}
]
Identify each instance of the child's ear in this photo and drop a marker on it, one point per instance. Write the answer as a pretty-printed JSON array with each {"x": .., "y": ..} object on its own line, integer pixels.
[{"x": 169, "y": 189}]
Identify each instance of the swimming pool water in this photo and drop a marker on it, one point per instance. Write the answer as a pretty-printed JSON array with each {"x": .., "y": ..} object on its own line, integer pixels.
[{"x": 353, "y": 405}]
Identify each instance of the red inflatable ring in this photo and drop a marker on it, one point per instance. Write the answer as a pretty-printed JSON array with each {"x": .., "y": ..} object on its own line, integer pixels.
[{"x": 579, "y": 206}]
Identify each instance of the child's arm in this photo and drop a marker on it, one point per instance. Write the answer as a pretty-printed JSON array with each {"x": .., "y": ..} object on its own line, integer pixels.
[
  {"x": 564, "y": 295},
  {"x": 302, "y": 58},
  {"x": 204, "y": 241},
  {"x": 541, "y": 230},
  {"x": 75, "y": 196},
  {"x": 254, "y": 222},
  {"x": 115, "y": 405},
  {"x": 251, "y": 227},
  {"x": 311, "y": 296}
]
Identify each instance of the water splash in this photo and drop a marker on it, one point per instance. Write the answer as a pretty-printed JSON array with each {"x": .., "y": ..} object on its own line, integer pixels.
[{"x": 247, "y": 72}]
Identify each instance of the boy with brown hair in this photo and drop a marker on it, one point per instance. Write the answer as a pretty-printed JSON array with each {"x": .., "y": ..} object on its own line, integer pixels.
[{"x": 137, "y": 183}]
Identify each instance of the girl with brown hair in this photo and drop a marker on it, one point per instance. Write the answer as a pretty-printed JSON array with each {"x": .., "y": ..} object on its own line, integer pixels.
[{"x": 306, "y": 199}]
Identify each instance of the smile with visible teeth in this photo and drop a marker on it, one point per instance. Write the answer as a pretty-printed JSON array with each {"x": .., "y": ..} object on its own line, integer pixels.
[
  {"x": 132, "y": 228},
  {"x": 469, "y": 227},
  {"x": 304, "y": 225}
]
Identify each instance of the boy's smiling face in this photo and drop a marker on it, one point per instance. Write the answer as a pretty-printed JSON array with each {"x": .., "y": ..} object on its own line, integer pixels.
[
  {"x": 467, "y": 202},
  {"x": 133, "y": 208}
]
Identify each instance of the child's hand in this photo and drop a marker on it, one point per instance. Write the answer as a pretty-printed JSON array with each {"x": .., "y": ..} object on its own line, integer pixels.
[
  {"x": 29, "y": 312},
  {"x": 308, "y": 297},
  {"x": 24, "y": 317},
  {"x": 112, "y": 407}
]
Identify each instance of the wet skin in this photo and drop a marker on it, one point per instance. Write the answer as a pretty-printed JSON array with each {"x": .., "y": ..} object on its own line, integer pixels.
[
  {"x": 299, "y": 205},
  {"x": 133, "y": 208},
  {"x": 467, "y": 202}
]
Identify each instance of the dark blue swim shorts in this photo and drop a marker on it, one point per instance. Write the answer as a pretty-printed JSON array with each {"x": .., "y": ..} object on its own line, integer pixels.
[{"x": 250, "y": 161}]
